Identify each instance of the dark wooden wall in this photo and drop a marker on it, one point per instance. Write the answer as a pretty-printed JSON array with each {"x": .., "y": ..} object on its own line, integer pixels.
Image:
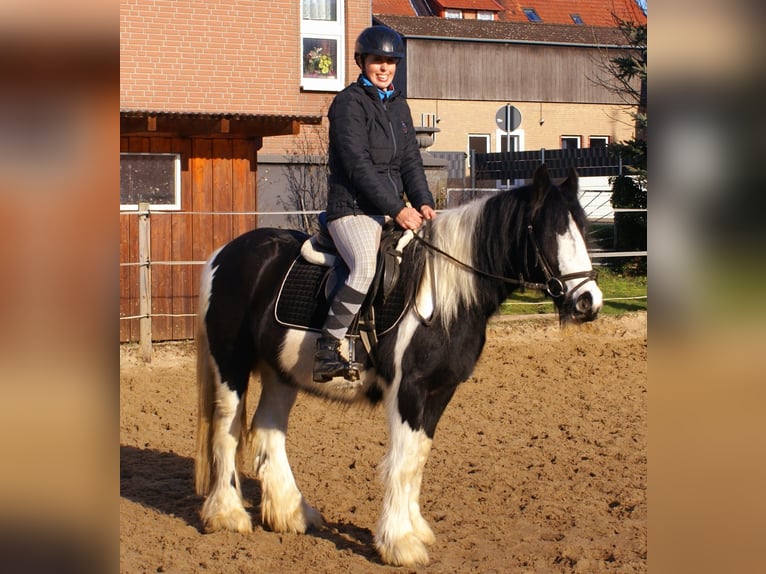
[
  {"x": 217, "y": 175},
  {"x": 481, "y": 71}
]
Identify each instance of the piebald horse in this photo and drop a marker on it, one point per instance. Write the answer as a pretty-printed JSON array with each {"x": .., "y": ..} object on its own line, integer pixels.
[{"x": 459, "y": 268}]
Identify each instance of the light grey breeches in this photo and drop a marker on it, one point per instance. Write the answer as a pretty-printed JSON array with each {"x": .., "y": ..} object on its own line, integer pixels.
[{"x": 356, "y": 238}]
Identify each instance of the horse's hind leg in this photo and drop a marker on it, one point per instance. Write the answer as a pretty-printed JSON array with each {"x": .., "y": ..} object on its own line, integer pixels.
[
  {"x": 283, "y": 507},
  {"x": 223, "y": 508}
]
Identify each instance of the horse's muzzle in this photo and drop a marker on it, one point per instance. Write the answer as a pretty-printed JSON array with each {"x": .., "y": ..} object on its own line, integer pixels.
[
  {"x": 579, "y": 310},
  {"x": 584, "y": 309}
]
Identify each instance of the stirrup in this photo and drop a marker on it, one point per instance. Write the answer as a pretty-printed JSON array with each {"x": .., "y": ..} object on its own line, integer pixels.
[{"x": 329, "y": 364}]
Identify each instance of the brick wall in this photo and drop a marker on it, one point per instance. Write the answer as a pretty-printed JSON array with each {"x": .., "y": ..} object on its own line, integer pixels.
[
  {"x": 222, "y": 56},
  {"x": 460, "y": 118}
]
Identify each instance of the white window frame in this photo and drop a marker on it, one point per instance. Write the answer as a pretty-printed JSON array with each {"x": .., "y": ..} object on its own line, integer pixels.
[
  {"x": 176, "y": 205},
  {"x": 485, "y": 15},
  {"x": 319, "y": 33},
  {"x": 604, "y": 138},
  {"x": 518, "y": 137},
  {"x": 570, "y": 137},
  {"x": 453, "y": 14},
  {"x": 485, "y": 137}
]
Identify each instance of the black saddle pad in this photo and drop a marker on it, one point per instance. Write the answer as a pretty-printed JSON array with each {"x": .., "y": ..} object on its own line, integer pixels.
[{"x": 302, "y": 304}]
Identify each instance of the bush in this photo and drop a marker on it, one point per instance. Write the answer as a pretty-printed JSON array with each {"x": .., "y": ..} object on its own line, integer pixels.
[{"x": 629, "y": 228}]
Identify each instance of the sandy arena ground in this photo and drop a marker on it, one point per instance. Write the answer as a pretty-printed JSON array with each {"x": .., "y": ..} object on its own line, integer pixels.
[{"x": 538, "y": 465}]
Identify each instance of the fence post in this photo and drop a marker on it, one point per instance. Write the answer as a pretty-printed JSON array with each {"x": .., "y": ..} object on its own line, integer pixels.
[{"x": 144, "y": 283}]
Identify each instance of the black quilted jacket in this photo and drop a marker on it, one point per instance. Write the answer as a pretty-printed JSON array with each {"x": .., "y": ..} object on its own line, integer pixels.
[{"x": 374, "y": 157}]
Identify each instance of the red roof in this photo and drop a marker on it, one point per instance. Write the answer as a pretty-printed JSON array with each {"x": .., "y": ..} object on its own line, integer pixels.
[
  {"x": 489, "y": 5},
  {"x": 592, "y": 12},
  {"x": 394, "y": 7}
]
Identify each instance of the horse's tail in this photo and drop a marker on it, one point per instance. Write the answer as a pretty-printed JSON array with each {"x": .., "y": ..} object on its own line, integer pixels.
[
  {"x": 206, "y": 404},
  {"x": 207, "y": 381},
  {"x": 206, "y": 385}
]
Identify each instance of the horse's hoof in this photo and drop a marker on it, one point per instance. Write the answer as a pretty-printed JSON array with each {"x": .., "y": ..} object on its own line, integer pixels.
[
  {"x": 298, "y": 522},
  {"x": 311, "y": 516},
  {"x": 408, "y": 551},
  {"x": 424, "y": 532},
  {"x": 235, "y": 521}
]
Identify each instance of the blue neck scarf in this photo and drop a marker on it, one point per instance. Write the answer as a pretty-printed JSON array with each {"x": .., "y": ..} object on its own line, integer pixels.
[{"x": 383, "y": 94}]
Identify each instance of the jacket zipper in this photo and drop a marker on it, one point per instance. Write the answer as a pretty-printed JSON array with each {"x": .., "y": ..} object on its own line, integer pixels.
[{"x": 393, "y": 139}]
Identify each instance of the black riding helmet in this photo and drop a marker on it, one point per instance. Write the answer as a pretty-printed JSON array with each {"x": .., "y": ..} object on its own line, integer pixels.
[{"x": 380, "y": 41}]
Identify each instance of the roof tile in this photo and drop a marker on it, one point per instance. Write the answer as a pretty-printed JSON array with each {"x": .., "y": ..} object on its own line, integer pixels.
[
  {"x": 592, "y": 12},
  {"x": 489, "y": 5},
  {"x": 394, "y": 7},
  {"x": 508, "y": 31}
]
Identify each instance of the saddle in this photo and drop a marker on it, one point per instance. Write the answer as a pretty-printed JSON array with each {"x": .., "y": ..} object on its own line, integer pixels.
[{"x": 318, "y": 272}]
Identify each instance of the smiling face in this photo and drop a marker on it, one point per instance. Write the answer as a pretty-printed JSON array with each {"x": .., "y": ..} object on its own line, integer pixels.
[{"x": 380, "y": 70}]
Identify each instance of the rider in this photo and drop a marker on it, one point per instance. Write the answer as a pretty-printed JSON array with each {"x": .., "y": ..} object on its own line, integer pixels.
[{"x": 374, "y": 160}]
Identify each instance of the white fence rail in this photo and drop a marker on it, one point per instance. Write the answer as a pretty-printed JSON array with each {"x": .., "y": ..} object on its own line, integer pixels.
[{"x": 145, "y": 263}]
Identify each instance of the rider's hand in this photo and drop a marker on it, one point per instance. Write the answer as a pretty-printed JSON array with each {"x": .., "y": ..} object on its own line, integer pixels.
[
  {"x": 409, "y": 218},
  {"x": 427, "y": 212}
]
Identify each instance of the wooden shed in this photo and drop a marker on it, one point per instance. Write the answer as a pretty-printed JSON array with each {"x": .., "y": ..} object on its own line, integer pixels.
[{"x": 213, "y": 179}]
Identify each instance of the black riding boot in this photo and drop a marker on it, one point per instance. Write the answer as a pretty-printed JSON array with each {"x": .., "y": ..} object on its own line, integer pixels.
[{"x": 327, "y": 362}]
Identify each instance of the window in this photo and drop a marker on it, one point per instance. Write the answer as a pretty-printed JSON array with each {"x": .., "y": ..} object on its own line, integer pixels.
[
  {"x": 508, "y": 142},
  {"x": 570, "y": 142},
  {"x": 576, "y": 19},
  {"x": 531, "y": 15},
  {"x": 322, "y": 45},
  {"x": 429, "y": 120},
  {"x": 478, "y": 143},
  {"x": 485, "y": 15},
  {"x": 154, "y": 178},
  {"x": 598, "y": 141},
  {"x": 455, "y": 14}
]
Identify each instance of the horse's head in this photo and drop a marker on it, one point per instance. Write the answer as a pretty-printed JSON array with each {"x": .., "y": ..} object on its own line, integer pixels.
[{"x": 556, "y": 232}]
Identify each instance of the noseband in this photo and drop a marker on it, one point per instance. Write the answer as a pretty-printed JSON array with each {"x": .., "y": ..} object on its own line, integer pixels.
[{"x": 553, "y": 286}]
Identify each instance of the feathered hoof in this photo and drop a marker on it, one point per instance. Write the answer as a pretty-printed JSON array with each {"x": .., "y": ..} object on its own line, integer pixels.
[
  {"x": 298, "y": 521},
  {"x": 311, "y": 516},
  {"x": 406, "y": 551},
  {"x": 236, "y": 520},
  {"x": 424, "y": 533}
]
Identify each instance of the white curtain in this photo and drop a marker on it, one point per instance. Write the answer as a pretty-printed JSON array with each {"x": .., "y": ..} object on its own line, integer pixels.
[{"x": 320, "y": 10}]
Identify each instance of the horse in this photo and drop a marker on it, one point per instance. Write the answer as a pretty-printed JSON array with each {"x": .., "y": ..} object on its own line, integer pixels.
[{"x": 459, "y": 268}]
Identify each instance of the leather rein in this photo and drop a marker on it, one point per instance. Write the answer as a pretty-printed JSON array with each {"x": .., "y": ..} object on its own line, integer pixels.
[{"x": 553, "y": 286}]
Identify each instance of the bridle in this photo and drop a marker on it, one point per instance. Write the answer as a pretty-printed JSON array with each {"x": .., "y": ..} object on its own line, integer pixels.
[{"x": 554, "y": 285}]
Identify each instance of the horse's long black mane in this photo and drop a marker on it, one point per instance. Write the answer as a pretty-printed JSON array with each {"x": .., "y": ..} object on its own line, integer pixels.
[{"x": 491, "y": 236}]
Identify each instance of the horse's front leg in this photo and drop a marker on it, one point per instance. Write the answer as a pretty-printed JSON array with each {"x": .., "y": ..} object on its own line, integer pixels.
[
  {"x": 283, "y": 507},
  {"x": 403, "y": 533}
]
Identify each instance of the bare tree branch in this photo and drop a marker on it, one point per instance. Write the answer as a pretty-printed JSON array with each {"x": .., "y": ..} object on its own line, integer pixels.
[{"x": 306, "y": 175}]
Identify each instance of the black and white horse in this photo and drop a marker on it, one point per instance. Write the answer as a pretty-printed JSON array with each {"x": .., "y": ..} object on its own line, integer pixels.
[{"x": 470, "y": 260}]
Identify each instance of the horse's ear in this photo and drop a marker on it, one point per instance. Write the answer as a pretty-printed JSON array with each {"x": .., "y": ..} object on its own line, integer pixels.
[{"x": 571, "y": 184}]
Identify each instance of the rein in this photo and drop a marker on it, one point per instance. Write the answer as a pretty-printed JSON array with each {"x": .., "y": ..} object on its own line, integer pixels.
[{"x": 553, "y": 286}]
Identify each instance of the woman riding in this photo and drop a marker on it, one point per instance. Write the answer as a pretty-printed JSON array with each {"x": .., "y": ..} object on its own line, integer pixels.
[{"x": 374, "y": 160}]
